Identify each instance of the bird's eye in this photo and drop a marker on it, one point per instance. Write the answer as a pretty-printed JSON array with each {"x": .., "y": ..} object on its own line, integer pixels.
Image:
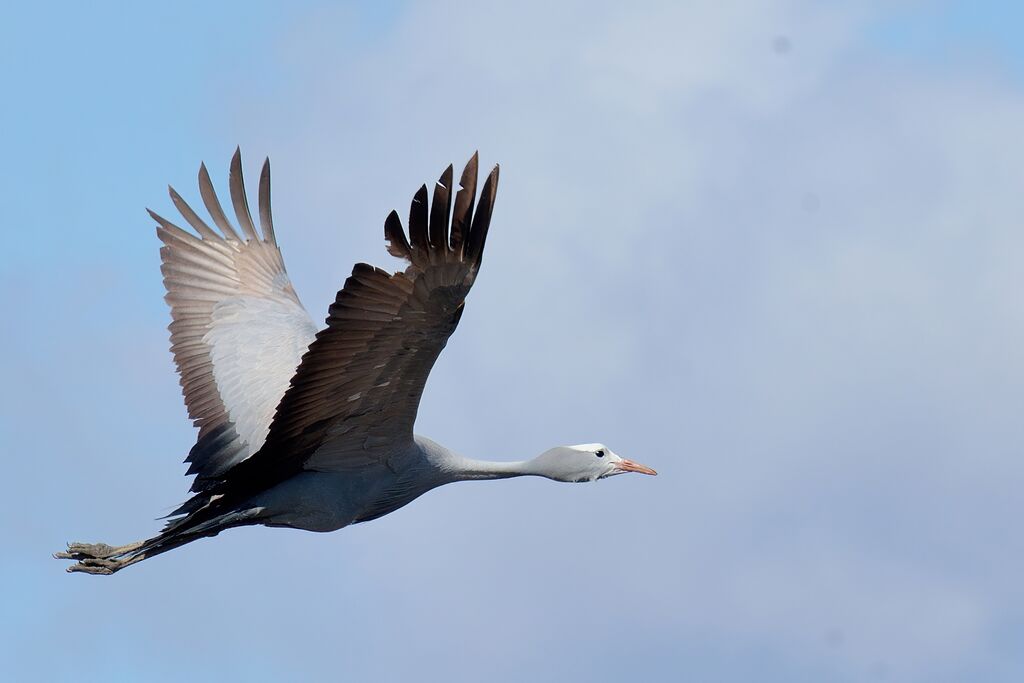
[{"x": 600, "y": 453}]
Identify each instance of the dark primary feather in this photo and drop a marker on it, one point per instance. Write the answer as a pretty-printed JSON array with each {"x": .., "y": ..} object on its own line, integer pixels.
[
  {"x": 482, "y": 220},
  {"x": 418, "y": 221},
  {"x": 464, "y": 206},
  {"x": 440, "y": 209},
  {"x": 357, "y": 390},
  {"x": 398, "y": 246}
]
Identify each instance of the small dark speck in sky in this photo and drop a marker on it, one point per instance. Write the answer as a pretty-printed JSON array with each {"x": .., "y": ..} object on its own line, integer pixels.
[
  {"x": 781, "y": 45},
  {"x": 810, "y": 202},
  {"x": 834, "y": 637}
]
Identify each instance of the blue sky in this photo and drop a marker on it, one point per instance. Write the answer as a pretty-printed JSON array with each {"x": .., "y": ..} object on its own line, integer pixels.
[{"x": 788, "y": 281}]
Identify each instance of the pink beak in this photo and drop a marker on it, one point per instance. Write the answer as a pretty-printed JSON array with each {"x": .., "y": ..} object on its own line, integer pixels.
[{"x": 630, "y": 466}]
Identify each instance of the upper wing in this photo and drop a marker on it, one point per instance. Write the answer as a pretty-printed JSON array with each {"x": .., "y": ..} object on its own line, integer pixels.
[
  {"x": 358, "y": 387},
  {"x": 238, "y": 330}
]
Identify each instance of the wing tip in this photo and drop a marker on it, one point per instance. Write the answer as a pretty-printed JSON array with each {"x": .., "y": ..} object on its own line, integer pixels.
[
  {"x": 263, "y": 199},
  {"x": 482, "y": 218},
  {"x": 394, "y": 235},
  {"x": 239, "y": 201},
  {"x": 463, "y": 231}
]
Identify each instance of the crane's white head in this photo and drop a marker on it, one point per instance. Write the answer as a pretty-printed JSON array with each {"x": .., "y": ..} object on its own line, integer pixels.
[{"x": 585, "y": 462}]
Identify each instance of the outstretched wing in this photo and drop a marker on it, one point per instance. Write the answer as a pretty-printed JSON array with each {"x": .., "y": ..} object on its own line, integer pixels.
[
  {"x": 357, "y": 390},
  {"x": 238, "y": 330}
]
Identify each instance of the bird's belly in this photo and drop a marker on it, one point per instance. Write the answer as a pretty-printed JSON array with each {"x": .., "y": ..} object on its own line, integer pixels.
[{"x": 314, "y": 501}]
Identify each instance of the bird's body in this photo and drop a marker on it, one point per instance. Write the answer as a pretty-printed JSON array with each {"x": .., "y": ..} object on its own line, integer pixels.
[
  {"x": 331, "y": 500},
  {"x": 314, "y": 430}
]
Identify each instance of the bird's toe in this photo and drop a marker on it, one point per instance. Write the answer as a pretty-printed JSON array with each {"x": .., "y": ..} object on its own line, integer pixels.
[{"x": 95, "y": 566}]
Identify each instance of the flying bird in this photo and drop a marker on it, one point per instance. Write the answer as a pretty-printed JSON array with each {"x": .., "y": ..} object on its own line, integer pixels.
[{"x": 314, "y": 430}]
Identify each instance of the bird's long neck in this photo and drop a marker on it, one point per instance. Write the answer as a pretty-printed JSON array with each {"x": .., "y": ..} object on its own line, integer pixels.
[{"x": 467, "y": 469}]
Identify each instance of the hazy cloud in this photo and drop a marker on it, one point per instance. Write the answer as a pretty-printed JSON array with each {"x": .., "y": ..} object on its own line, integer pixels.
[{"x": 741, "y": 242}]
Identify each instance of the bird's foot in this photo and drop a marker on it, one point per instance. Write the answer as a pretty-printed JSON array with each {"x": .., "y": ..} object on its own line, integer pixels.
[
  {"x": 94, "y": 551},
  {"x": 96, "y": 566},
  {"x": 97, "y": 558}
]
